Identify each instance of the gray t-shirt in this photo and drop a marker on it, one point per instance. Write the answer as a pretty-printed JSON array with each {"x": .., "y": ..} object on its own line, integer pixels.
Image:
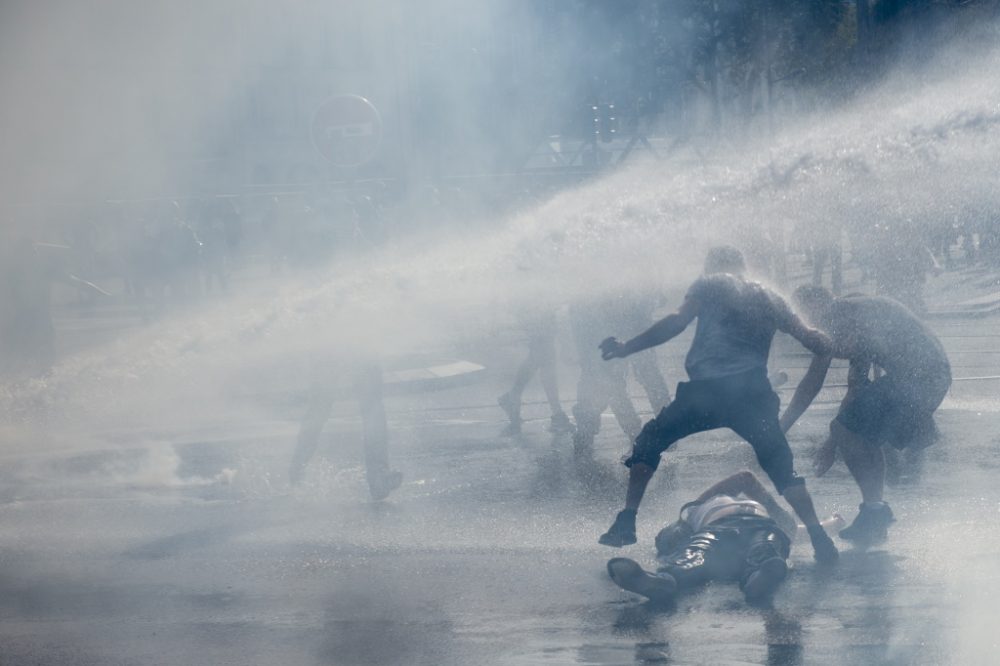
[
  {"x": 883, "y": 332},
  {"x": 737, "y": 320}
]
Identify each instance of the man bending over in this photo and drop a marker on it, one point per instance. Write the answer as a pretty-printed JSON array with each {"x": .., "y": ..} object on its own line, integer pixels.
[{"x": 896, "y": 408}]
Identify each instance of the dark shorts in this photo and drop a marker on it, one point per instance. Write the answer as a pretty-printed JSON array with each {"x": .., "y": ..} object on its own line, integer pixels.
[
  {"x": 745, "y": 403},
  {"x": 897, "y": 411}
]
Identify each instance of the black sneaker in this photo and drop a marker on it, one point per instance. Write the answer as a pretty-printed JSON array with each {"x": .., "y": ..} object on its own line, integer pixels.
[
  {"x": 824, "y": 551},
  {"x": 622, "y": 531},
  {"x": 382, "y": 485},
  {"x": 764, "y": 582},
  {"x": 871, "y": 526},
  {"x": 628, "y": 575}
]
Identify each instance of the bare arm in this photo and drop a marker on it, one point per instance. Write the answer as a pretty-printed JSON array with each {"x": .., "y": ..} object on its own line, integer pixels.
[
  {"x": 806, "y": 391},
  {"x": 745, "y": 482},
  {"x": 813, "y": 339},
  {"x": 666, "y": 329}
]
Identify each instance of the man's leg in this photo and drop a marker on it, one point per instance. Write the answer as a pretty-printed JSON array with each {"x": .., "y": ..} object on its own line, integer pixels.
[
  {"x": 547, "y": 374},
  {"x": 712, "y": 554},
  {"x": 707, "y": 555},
  {"x": 862, "y": 424},
  {"x": 592, "y": 397},
  {"x": 628, "y": 575},
  {"x": 757, "y": 423},
  {"x": 382, "y": 480},
  {"x": 619, "y": 400},
  {"x": 764, "y": 567},
  {"x": 866, "y": 462},
  {"x": 320, "y": 406},
  {"x": 683, "y": 417},
  {"x": 647, "y": 372},
  {"x": 510, "y": 401}
]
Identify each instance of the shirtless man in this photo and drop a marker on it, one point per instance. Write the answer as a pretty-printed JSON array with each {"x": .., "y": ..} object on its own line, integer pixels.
[
  {"x": 727, "y": 365},
  {"x": 895, "y": 408}
]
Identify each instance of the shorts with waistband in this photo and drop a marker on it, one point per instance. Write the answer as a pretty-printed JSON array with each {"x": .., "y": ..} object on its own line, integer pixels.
[{"x": 745, "y": 403}]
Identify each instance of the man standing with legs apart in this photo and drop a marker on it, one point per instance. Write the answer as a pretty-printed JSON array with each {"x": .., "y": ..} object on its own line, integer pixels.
[
  {"x": 727, "y": 366},
  {"x": 895, "y": 408}
]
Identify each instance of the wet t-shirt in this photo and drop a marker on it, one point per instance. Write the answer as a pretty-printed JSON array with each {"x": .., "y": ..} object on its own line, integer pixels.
[
  {"x": 737, "y": 320},
  {"x": 719, "y": 507},
  {"x": 880, "y": 331}
]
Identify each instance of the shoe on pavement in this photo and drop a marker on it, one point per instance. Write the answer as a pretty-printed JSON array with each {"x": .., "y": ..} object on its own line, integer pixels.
[
  {"x": 764, "y": 582},
  {"x": 871, "y": 526},
  {"x": 824, "y": 551},
  {"x": 628, "y": 575},
  {"x": 622, "y": 531}
]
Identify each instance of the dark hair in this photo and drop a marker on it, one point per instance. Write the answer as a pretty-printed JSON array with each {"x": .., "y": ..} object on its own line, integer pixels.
[{"x": 724, "y": 259}]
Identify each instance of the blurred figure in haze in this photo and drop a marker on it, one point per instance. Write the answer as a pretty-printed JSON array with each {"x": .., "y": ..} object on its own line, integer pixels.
[
  {"x": 901, "y": 263},
  {"x": 539, "y": 326},
  {"x": 27, "y": 335},
  {"x": 728, "y": 386},
  {"x": 601, "y": 384},
  {"x": 895, "y": 408},
  {"x": 826, "y": 246},
  {"x": 718, "y": 536},
  {"x": 367, "y": 385}
]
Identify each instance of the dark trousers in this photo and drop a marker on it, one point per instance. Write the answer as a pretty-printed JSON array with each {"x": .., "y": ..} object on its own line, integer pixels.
[{"x": 729, "y": 549}]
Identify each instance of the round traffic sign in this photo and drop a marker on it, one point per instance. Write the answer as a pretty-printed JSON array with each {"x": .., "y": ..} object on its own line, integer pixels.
[{"x": 347, "y": 130}]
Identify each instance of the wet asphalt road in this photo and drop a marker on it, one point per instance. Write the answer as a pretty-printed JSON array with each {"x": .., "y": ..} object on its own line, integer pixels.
[{"x": 190, "y": 548}]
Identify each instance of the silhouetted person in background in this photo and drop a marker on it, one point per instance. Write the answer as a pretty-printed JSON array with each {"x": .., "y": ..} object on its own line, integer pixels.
[
  {"x": 827, "y": 246},
  {"x": 601, "y": 384},
  {"x": 728, "y": 387},
  {"x": 539, "y": 327},
  {"x": 367, "y": 384},
  {"x": 901, "y": 263}
]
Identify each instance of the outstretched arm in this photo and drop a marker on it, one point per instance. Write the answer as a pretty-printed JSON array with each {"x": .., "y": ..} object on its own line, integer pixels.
[
  {"x": 667, "y": 328},
  {"x": 806, "y": 391}
]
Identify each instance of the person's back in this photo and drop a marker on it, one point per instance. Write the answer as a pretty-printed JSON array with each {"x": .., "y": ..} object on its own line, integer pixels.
[
  {"x": 884, "y": 332},
  {"x": 737, "y": 320}
]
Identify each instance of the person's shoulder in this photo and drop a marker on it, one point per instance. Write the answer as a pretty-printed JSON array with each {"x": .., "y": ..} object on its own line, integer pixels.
[{"x": 715, "y": 287}]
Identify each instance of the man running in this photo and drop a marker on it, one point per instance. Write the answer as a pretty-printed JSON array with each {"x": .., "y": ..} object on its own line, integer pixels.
[
  {"x": 895, "y": 408},
  {"x": 727, "y": 366}
]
